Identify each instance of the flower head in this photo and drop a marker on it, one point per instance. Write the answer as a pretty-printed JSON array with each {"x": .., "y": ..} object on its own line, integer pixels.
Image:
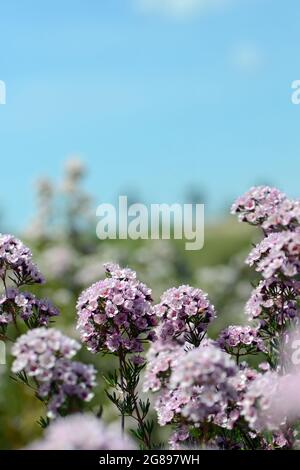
[
  {"x": 160, "y": 359},
  {"x": 277, "y": 253},
  {"x": 33, "y": 311},
  {"x": 258, "y": 204},
  {"x": 70, "y": 380},
  {"x": 286, "y": 217},
  {"x": 116, "y": 313},
  {"x": 37, "y": 351},
  {"x": 185, "y": 314},
  {"x": 257, "y": 403},
  {"x": 274, "y": 300},
  {"x": 202, "y": 376},
  {"x": 170, "y": 403},
  {"x": 240, "y": 340},
  {"x": 82, "y": 432},
  {"x": 17, "y": 258}
]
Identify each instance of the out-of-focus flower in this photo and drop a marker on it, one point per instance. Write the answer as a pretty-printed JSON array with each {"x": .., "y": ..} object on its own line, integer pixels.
[
  {"x": 45, "y": 356},
  {"x": 116, "y": 313},
  {"x": 75, "y": 168},
  {"x": 271, "y": 403},
  {"x": 160, "y": 358},
  {"x": 169, "y": 403},
  {"x": 82, "y": 432},
  {"x": 178, "y": 437},
  {"x": 57, "y": 261},
  {"x": 37, "y": 351},
  {"x": 202, "y": 375},
  {"x": 40, "y": 225},
  {"x": 229, "y": 416},
  {"x": 257, "y": 401}
]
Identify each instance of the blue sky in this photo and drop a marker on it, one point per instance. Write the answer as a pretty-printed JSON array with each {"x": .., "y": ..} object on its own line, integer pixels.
[{"x": 155, "y": 96}]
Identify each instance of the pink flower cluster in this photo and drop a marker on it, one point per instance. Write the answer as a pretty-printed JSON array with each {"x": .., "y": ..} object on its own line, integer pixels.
[
  {"x": 229, "y": 417},
  {"x": 286, "y": 217},
  {"x": 44, "y": 355},
  {"x": 278, "y": 253},
  {"x": 169, "y": 404},
  {"x": 70, "y": 380},
  {"x": 258, "y": 204},
  {"x": 240, "y": 340},
  {"x": 257, "y": 403},
  {"x": 185, "y": 314},
  {"x": 274, "y": 300},
  {"x": 202, "y": 376},
  {"x": 271, "y": 403},
  {"x": 178, "y": 437},
  {"x": 116, "y": 313},
  {"x": 82, "y": 432},
  {"x": 37, "y": 351},
  {"x": 17, "y": 258},
  {"x": 35, "y": 312},
  {"x": 161, "y": 357}
]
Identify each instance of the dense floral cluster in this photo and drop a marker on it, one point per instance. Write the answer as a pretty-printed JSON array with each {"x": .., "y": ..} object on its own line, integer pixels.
[
  {"x": 274, "y": 301},
  {"x": 240, "y": 340},
  {"x": 70, "y": 380},
  {"x": 202, "y": 375},
  {"x": 185, "y": 314},
  {"x": 82, "y": 432},
  {"x": 35, "y": 312},
  {"x": 178, "y": 437},
  {"x": 161, "y": 357},
  {"x": 229, "y": 417},
  {"x": 17, "y": 258},
  {"x": 256, "y": 405},
  {"x": 286, "y": 217},
  {"x": 258, "y": 204},
  {"x": 169, "y": 404},
  {"x": 278, "y": 253},
  {"x": 44, "y": 355},
  {"x": 37, "y": 351},
  {"x": 116, "y": 313}
]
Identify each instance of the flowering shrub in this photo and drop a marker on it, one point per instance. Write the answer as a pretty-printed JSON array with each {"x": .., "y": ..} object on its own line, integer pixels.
[{"x": 236, "y": 391}]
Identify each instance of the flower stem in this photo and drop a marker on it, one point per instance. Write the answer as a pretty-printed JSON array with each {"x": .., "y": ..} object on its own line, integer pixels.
[{"x": 122, "y": 387}]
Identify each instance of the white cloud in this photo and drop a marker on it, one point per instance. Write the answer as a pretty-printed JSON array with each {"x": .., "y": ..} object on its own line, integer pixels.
[{"x": 180, "y": 8}]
